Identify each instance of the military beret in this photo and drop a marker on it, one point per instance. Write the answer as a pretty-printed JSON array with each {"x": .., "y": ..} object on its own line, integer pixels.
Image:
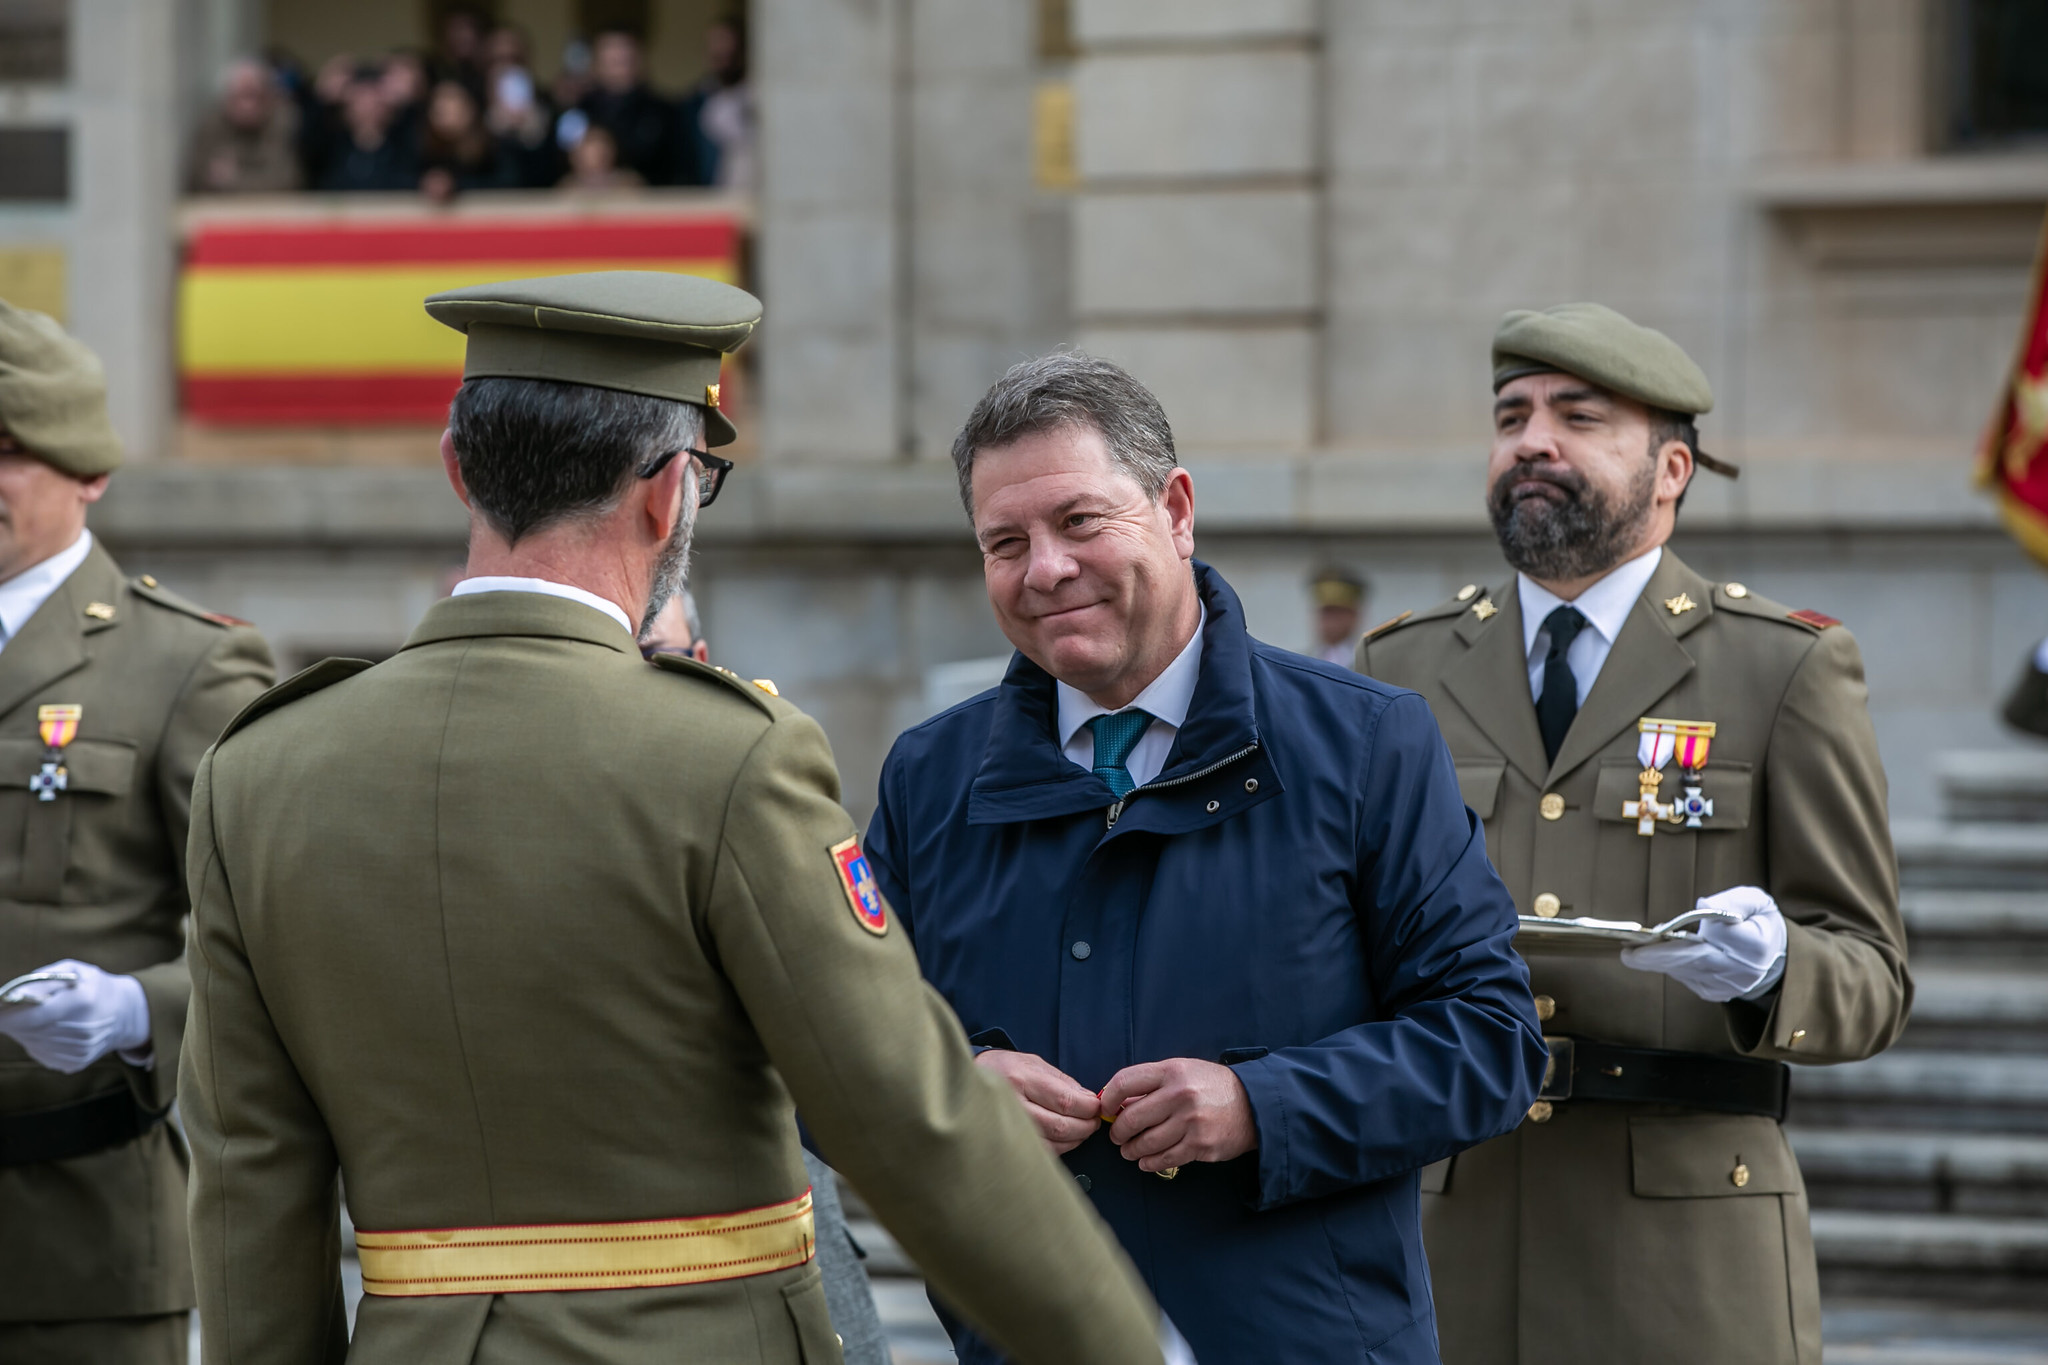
[
  {"x": 53, "y": 395},
  {"x": 637, "y": 331},
  {"x": 1600, "y": 345},
  {"x": 1337, "y": 588}
]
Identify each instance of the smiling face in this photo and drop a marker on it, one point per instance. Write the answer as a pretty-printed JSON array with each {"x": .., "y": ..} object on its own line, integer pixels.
[
  {"x": 1089, "y": 576},
  {"x": 1574, "y": 484}
]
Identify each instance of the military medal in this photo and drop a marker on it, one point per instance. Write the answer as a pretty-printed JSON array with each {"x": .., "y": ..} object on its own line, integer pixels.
[
  {"x": 1660, "y": 741},
  {"x": 59, "y": 726}
]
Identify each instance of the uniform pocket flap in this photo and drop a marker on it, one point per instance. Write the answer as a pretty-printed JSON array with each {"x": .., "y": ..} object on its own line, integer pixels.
[
  {"x": 1708, "y": 1156},
  {"x": 805, "y": 1299},
  {"x": 1479, "y": 783},
  {"x": 1724, "y": 787},
  {"x": 105, "y": 766}
]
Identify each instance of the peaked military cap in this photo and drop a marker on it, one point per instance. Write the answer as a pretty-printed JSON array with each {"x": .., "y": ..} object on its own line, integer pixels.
[
  {"x": 637, "y": 331},
  {"x": 53, "y": 395},
  {"x": 1598, "y": 344}
]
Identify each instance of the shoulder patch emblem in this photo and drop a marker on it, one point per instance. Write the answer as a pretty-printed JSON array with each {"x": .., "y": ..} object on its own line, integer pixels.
[
  {"x": 1387, "y": 625},
  {"x": 857, "y": 880},
  {"x": 1817, "y": 619}
]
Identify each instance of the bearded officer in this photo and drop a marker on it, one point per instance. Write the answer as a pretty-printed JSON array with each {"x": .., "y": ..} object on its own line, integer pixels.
[
  {"x": 1639, "y": 741},
  {"x": 536, "y": 940},
  {"x": 110, "y": 690}
]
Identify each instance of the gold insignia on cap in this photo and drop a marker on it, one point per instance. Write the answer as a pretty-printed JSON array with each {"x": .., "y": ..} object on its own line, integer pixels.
[
  {"x": 1465, "y": 594},
  {"x": 1679, "y": 605},
  {"x": 99, "y": 611},
  {"x": 711, "y": 395},
  {"x": 1484, "y": 608}
]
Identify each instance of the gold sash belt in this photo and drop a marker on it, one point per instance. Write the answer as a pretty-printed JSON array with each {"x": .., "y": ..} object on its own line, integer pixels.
[{"x": 557, "y": 1256}]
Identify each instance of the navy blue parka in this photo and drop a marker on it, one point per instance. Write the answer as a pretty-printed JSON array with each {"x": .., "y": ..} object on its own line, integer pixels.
[{"x": 1300, "y": 894}]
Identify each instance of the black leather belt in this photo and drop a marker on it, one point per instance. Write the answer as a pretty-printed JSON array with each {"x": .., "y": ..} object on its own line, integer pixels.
[
  {"x": 76, "y": 1129},
  {"x": 1584, "y": 1070}
]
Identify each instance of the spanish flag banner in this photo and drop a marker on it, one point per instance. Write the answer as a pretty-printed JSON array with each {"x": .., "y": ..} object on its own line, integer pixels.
[
  {"x": 2013, "y": 459},
  {"x": 320, "y": 322}
]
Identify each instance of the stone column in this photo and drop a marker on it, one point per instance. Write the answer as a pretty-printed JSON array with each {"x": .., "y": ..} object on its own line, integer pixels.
[{"x": 1198, "y": 223}]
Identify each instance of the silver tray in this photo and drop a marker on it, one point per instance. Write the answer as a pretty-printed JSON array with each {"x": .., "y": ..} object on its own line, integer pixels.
[{"x": 1626, "y": 933}]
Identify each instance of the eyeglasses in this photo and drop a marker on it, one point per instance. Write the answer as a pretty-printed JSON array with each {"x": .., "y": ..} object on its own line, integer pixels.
[{"x": 710, "y": 476}]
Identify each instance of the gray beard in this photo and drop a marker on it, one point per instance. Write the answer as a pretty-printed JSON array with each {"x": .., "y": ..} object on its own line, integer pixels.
[
  {"x": 672, "y": 570},
  {"x": 1587, "y": 533}
]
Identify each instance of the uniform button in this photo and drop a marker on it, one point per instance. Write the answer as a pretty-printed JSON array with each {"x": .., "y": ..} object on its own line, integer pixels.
[
  {"x": 1547, "y": 906},
  {"x": 1084, "y": 1182},
  {"x": 1736, "y": 591},
  {"x": 1465, "y": 594},
  {"x": 1545, "y": 1007},
  {"x": 1739, "y": 1176},
  {"x": 1797, "y": 1034},
  {"x": 1540, "y": 1112},
  {"x": 1215, "y": 806},
  {"x": 1081, "y": 950},
  {"x": 149, "y": 580},
  {"x": 1251, "y": 784},
  {"x": 1552, "y": 806}
]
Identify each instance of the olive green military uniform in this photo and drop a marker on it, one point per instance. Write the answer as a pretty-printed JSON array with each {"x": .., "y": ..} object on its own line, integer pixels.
[
  {"x": 1614, "y": 1231},
  {"x": 94, "y": 1265},
  {"x": 97, "y": 874},
  {"x": 1665, "y": 1220},
  {"x": 517, "y": 928},
  {"x": 519, "y": 931}
]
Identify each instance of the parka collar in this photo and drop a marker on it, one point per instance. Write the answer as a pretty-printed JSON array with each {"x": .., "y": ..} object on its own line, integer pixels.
[{"x": 1024, "y": 776}]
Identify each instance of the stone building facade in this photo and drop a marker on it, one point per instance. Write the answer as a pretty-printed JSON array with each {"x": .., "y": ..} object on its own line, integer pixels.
[{"x": 1297, "y": 221}]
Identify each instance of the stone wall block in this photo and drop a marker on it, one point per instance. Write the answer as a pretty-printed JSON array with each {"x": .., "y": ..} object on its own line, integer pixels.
[
  {"x": 1126, "y": 21},
  {"x": 1195, "y": 115},
  {"x": 1222, "y": 252},
  {"x": 1240, "y": 388}
]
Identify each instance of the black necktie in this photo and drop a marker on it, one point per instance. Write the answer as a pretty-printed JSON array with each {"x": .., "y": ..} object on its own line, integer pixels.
[{"x": 1560, "y": 699}]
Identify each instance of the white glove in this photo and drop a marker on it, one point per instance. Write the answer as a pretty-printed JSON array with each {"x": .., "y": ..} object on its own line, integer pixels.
[
  {"x": 72, "y": 1026},
  {"x": 1727, "y": 959},
  {"x": 1173, "y": 1345}
]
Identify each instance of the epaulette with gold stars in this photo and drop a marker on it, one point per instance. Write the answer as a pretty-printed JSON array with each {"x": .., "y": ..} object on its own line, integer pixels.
[{"x": 148, "y": 589}]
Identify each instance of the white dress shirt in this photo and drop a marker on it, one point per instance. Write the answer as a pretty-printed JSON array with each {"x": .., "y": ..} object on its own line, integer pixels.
[
  {"x": 22, "y": 594},
  {"x": 1167, "y": 698},
  {"x": 1605, "y": 606},
  {"x": 505, "y": 583}
]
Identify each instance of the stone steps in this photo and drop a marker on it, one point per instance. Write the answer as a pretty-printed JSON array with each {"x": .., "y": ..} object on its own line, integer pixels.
[
  {"x": 1994, "y": 786},
  {"x": 1987, "y": 856},
  {"x": 1882, "y": 1170},
  {"x": 1953, "y": 1256}
]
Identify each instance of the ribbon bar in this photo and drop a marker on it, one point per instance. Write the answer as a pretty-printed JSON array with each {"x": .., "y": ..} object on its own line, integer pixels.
[{"x": 550, "y": 1257}]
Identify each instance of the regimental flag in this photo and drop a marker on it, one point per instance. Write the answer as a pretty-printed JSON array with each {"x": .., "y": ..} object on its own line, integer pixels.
[
  {"x": 317, "y": 322},
  {"x": 2013, "y": 459}
]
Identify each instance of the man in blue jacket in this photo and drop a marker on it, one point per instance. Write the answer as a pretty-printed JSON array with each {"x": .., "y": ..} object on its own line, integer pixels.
[{"x": 1215, "y": 910}]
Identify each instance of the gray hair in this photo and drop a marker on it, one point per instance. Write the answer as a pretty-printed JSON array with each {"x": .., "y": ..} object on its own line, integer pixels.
[
  {"x": 535, "y": 452},
  {"x": 1071, "y": 389}
]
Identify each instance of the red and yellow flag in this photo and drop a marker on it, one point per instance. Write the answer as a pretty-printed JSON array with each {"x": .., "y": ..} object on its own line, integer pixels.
[
  {"x": 2013, "y": 459},
  {"x": 290, "y": 322}
]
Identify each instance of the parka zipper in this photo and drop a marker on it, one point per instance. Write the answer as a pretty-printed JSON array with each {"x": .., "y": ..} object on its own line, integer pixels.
[{"x": 1117, "y": 809}]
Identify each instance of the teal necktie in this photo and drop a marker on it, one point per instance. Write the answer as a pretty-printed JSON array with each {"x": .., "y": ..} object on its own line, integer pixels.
[{"x": 1115, "y": 737}]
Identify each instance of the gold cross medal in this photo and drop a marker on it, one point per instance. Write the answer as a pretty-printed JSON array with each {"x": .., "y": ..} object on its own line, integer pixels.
[
  {"x": 1658, "y": 742},
  {"x": 59, "y": 726}
]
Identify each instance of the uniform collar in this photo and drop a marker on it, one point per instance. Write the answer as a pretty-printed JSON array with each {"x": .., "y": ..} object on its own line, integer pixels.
[
  {"x": 548, "y": 615},
  {"x": 24, "y": 594},
  {"x": 546, "y": 588},
  {"x": 1167, "y": 697},
  {"x": 1024, "y": 776},
  {"x": 1605, "y": 605}
]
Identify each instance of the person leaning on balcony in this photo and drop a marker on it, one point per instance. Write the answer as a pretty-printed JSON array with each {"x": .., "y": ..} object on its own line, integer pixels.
[
  {"x": 249, "y": 143},
  {"x": 111, "y": 688},
  {"x": 1639, "y": 741},
  {"x": 536, "y": 940}
]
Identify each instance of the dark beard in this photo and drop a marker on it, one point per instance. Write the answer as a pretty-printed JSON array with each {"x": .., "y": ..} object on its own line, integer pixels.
[
  {"x": 1579, "y": 535},
  {"x": 672, "y": 570}
]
